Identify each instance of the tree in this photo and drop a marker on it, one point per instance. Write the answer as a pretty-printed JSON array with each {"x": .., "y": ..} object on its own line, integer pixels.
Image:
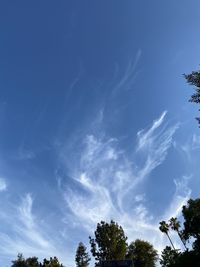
[
  {"x": 191, "y": 214},
  {"x": 142, "y": 253},
  {"x": 82, "y": 258},
  {"x": 109, "y": 242},
  {"x": 52, "y": 262},
  {"x": 190, "y": 233},
  {"x": 20, "y": 262},
  {"x": 33, "y": 262},
  {"x": 194, "y": 79},
  {"x": 169, "y": 257},
  {"x": 164, "y": 228},
  {"x": 29, "y": 262},
  {"x": 175, "y": 225}
]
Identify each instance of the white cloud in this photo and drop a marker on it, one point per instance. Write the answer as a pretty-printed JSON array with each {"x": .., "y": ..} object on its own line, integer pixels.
[
  {"x": 181, "y": 195},
  {"x": 25, "y": 211},
  {"x": 105, "y": 184},
  {"x": 196, "y": 141},
  {"x": 189, "y": 148},
  {"x": 146, "y": 138},
  {"x": 153, "y": 144},
  {"x": 129, "y": 76},
  {"x": 140, "y": 197},
  {"x": 27, "y": 235},
  {"x": 109, "y": 179},
  {"x": 3, "y": 184}
]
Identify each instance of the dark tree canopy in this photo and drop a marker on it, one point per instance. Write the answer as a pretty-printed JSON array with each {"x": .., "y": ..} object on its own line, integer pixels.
[
  {"x": 194, "y": 79},
  {"x": 191, "y": 214},
  {"x": 190, "y": 233},
  {"x": 142, "y": 253},
  {"x": 169, "y": 257},
  {"x": 52, "y": 262},
  {"x": 164, "y": 228},
  {"x": 33, "y": 262},
  {"x": 109, "y": 242},
  {"x": 82, "y": 257},
  {"x": 22, "y": 262}
]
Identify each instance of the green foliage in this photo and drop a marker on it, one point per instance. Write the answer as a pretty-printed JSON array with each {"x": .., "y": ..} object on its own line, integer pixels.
[
  {"x": 109, "y": 242},
  {"x": 52, "y": 262},
  {"x": 175, "y": 225},
  {"x": 191, "y": 214},
  {"x": 82, "y": 258},
  {"x": 142, "y": 253},
  {"x": 188, "y": 258},
  {"x": 169, "y": 257},
  {"x": 189, "y": 233},
  {"x": 22, "y": 262},
  {"x": 194, "y": 79},
  {"x": 33, "y": 262},
  {"x": 164, "y": 228}
]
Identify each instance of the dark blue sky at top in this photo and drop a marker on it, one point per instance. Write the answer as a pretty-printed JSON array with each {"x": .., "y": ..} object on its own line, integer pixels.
[
  {"x": 65, "y": 63},
  {"x": 45, "y": 45}
]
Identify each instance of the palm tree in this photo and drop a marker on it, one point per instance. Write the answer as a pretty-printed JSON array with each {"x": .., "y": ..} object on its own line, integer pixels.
[
  {"x": 164, "y": 228},
  {"x": 175, "y": 225}
]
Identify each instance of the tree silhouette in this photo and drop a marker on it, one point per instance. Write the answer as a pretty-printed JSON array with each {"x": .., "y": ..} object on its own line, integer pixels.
[
  {"x": 169, "y": 257},
  {"x": 175, "y": 225},
  {"x": 82, "y": 257},
  {"x": 164, "y": 228},
  {"x": 194, "y": 79},
  {"x": 142, "y": 253},
  {"x": 52, "y": 262},
  {"x": 190, "y": 232},
  {"x": 109, "y": 242},
  {"x": 19, "y": 262},
  {"x": 33, "y": 262},
  {"x": 191, "y": 214}
]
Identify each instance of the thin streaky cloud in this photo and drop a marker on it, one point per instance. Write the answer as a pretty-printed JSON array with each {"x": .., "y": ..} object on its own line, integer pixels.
[
  {"x": 27, "y": 235},
  {"x": 74, "y": 82},
  {"x": 25, "y": 211},
  {"x": 129, "y": 76},
  {"x": 3, "y": 184},
  {"x": 181, "y": 195},
  {"x": 145, "y": 137},
  {"x": 108, "y": 179},
  {"x": 156, "y": 148}
]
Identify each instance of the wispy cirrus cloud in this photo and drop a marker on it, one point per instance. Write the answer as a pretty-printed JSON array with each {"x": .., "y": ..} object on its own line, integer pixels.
[
  {"x": 29, "y": 227},
  {"x": 108, "y": 180},
  {"x": 146, "y": 138},
  {"x": 191, "y": 145},
  {"x": 27, "y": 235},
  {"x": 3, "y": 184},
  {"x": 103, "y": 182},
  {"x": 181, "y": 195},
  {"x": 154, "y": 144},
  {"x": 129, "y": 76}
]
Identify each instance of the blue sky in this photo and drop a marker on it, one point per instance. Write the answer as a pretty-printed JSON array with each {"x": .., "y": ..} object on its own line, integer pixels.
[{"x": 94, "y": 120}]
